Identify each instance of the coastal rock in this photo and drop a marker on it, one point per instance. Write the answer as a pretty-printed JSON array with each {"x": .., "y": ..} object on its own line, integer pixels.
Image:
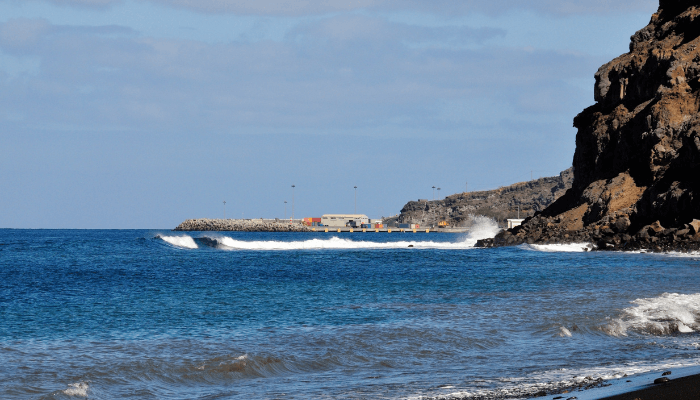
[
  {"x": 658, "y": 381},
  {"x": 637, "y": 155},
  {"x": 694, "y": 226}
]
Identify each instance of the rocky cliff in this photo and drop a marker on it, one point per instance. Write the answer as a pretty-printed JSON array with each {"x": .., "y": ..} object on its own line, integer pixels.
[
  {"x": 498, "y": 204},
  {"x": 637, "y": 160}
]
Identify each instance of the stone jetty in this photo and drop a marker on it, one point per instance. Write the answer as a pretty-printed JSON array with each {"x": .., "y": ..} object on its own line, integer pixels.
[{"x": 243, "y": 225}]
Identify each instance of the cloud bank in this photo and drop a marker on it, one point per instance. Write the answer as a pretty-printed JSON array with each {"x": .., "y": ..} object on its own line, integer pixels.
[
  {"x": 439, "y": 7},
  {"x": 354, "y": 72}
]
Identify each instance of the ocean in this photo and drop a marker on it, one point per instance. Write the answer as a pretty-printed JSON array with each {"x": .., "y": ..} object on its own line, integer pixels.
[{"x": 154, "y": 314}]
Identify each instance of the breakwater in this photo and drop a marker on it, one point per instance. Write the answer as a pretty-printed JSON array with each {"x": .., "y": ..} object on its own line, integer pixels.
[
  {"x": 279, "y": 225},
  {"x": 243, "y": 225}
]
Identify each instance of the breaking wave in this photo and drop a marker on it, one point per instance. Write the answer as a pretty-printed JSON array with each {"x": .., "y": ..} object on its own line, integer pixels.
[
  {"x": 79, "y": 389},
  {"x": 184, "y": 242},
  {"x": 333, "y": 243},
  {"x": 667, "y": 314},
  {"x": 481, "y": 229}
]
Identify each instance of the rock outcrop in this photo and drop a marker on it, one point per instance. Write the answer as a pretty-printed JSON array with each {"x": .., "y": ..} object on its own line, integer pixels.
[
  {"x": 243, "y": 225},
  {"x": 499, "y": 204},
  {"x": 637, "y": 160}
]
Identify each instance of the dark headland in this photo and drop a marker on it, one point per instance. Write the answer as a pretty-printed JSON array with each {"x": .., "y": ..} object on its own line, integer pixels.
[{"x": 636, "y": 179}]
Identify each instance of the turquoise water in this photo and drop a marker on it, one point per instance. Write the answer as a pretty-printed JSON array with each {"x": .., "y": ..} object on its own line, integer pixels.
[{"x": 155, "y": 314}]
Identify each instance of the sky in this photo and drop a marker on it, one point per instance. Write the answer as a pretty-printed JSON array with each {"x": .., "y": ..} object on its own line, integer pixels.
[{"x": 126, "y": 114}]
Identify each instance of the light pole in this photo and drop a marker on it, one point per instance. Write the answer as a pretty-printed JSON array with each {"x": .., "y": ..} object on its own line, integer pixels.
[
  {"x": 224, "y": 209},
  {"x": 433, "y": 193},
  {"x": 355, "y": 199},
  {"x": 285, "y": 209},
  {"x": 293, "y": 186},
  {"x": 438, "y": 195}
]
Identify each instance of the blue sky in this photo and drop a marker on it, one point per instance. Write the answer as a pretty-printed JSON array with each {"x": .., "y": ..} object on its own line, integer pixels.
[{"x": 140, "y": 114}]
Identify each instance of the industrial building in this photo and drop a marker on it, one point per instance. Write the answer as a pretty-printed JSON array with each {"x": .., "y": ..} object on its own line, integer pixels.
[{"x": 343, "y": 220}]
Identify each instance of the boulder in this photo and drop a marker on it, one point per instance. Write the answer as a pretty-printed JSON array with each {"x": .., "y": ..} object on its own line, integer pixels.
[
  {"x": 623, "y": 223},
  {"x": 694, "y": 226},
  {"x": 656, "y": 229}
]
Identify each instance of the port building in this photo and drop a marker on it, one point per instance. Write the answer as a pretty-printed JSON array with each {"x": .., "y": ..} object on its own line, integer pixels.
[{"x": 343, "y": 220}]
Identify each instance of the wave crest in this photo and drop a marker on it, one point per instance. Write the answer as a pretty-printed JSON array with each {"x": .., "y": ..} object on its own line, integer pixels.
[
  {"x": 667, "y": 314},
  {"x": 184, "y": 242},
  {"x": 79, "y": 389}
]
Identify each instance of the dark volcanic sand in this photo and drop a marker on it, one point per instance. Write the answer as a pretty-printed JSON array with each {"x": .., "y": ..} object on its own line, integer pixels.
[{"x": 676, "y": 389}]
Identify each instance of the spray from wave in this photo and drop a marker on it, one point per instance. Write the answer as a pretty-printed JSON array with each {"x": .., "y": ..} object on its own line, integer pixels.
[{"x": 667, "y": 314}]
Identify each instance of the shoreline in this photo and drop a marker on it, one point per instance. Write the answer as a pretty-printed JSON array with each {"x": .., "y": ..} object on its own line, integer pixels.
[{"x": 683, "y": 383}]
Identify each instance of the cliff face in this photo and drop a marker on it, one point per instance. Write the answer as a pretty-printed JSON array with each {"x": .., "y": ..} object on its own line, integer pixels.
[
  {"x": 637, "y": 159},
  {"x": 498, "y": 204}
]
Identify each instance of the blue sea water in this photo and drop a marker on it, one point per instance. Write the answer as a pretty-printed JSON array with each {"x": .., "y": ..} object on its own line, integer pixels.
[{"x": 149, "y": 314}]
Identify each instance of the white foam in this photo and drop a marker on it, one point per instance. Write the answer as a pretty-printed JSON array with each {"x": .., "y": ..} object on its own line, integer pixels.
[
  {"x": 677, "y": 254},
  {"x": 663, "y": 315},
  {"x": 556, "y": 248},
  {"x": 185, "y": 242},
  {"x": 335, "y": 243},
  {"x": 482, "y": 228},
  {"x": 79, "y": 389}
]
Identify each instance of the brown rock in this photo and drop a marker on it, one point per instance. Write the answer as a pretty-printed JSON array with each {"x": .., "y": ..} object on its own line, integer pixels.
[
  {"x": 623, "y": 223},
  {"x": 655, "y": 229},
  {"x": 683, "y": 232},
  {"x": 695, "y": 226}
]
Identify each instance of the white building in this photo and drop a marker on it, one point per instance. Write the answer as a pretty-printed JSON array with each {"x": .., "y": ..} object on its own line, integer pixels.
[
  {"x": 512, "y": 223},
  {"x": 342, "y": 220}
]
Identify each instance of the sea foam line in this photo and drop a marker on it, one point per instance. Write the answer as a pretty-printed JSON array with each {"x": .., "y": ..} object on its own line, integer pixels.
[
  {"x": 483, "y": 228},
  {"x": 335, "y": 243},
  {"x": 557, "y": 248}
]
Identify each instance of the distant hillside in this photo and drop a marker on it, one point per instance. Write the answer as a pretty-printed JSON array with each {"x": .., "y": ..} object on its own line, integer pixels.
[{"x": 499, "y": 204}]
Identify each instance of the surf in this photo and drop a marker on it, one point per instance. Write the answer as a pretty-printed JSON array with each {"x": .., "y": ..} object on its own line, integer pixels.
[
  {"x": 481, "y": 229},
  {"x": 185, "y": 242}
]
